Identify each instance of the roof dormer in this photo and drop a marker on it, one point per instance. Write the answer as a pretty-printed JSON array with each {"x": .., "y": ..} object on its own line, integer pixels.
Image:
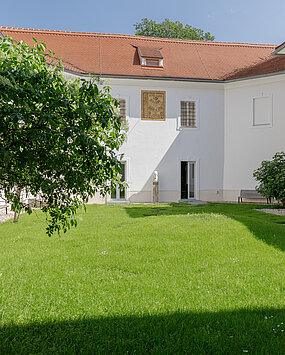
[
  {"x": 280, "y": 50},
  {"x": 150, "y": 57}
]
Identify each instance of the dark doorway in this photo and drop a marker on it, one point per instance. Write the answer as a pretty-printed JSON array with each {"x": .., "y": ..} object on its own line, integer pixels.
[{"x": 187, "y": 180}]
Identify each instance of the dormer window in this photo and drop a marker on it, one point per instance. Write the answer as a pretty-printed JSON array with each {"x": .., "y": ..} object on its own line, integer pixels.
[
  {"x": 150, "y": 57},
  {"x": 151, "y": 62}
]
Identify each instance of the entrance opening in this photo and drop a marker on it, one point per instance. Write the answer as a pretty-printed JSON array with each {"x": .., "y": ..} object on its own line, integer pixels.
[
  {"x": 116, "y": 192},
  {"x": 187, "y": 180}
]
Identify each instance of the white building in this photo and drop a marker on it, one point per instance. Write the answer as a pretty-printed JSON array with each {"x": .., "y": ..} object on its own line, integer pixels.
[{"x": 202, "y": 114}]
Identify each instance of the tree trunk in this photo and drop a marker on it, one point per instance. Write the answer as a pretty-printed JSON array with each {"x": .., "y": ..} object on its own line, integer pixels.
[
  {"x": 17, "y": 213},
  {"x": 16, "y": 216},
  {"x": 15, "y": 220}
]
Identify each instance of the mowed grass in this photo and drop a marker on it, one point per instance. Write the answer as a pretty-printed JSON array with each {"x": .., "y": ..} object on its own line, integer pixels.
[{"x": 145, "y": 279}]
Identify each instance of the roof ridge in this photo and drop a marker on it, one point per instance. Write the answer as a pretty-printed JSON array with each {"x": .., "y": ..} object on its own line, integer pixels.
[{"x": 151, "y": 39}]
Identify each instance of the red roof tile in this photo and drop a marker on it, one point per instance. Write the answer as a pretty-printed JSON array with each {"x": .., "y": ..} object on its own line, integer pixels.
[
  {"x": 147, "y": 52},
  {"x": 112, "y": 54}
]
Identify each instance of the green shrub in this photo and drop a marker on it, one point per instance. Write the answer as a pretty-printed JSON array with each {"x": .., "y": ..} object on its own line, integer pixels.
[{"x": 271, "y": 178}]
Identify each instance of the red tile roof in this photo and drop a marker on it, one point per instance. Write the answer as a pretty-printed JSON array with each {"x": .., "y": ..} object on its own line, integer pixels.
[
  {"x": 113, "y": 54},
  {"x": 272, "y": 65}
]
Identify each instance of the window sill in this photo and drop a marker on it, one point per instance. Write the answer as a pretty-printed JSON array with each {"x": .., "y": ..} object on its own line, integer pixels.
[
  {"x": 182, "y": 128},
  {"x": 151, "y": 67},
  {"x": 266, "y": 125}
]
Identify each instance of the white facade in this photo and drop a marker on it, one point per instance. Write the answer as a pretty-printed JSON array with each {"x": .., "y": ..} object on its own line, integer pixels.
[
  {"x": 229, "y": 125},
  {"x": 247, "y": 144},
  {"x": 226, "y": 146}
]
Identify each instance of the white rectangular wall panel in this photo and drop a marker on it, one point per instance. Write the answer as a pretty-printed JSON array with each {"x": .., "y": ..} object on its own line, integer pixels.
[{"x": 262, "y": 111}]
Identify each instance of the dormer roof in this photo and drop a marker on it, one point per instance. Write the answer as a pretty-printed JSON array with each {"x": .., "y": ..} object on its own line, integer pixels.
[
  {"x": 280, "y": 50},
  {"x": 149, "y": 52}
]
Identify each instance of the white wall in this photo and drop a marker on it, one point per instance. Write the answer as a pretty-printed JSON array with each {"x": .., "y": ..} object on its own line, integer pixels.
[
  {"x": 227, "y": 146},
  {"x": 161, "y": 146},
  {"x": 247, "y": 145}
]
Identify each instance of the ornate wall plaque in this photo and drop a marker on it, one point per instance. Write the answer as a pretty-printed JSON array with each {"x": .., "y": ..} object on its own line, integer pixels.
[{"x": 153, "y": 105}]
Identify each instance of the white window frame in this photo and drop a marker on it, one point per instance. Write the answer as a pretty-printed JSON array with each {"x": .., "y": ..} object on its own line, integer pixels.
[
  {"x": 196, "y": 161},
  {"x": 124, "y": 161},
  {"x": 197, "y": 103},
  {"x": 264, "y": 125},
  {"x": 144, "y": 63}
]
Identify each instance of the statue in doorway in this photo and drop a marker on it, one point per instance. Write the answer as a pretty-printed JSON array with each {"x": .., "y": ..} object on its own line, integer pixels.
[{"x": 155, "y": 187}]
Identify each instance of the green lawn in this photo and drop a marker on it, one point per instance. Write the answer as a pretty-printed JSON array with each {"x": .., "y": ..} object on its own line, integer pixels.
[{"x": 145, "y": 279}]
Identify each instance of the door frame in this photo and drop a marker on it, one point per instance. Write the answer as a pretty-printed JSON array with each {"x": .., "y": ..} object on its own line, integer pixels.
[
  {"x": 125, "y": 161},
  {"x": 196, "y": 177}
]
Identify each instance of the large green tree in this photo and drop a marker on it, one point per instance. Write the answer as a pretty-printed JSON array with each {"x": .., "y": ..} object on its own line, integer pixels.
[
  {"x": 58, "y": 138},
  {"x": 170, "y": 29},
  {"x": 271, "y": 178}
]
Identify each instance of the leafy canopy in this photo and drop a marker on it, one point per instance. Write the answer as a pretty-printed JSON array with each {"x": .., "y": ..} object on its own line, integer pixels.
[
  {"x": 170, "y": 29},
  {"x": 271, "y": 177},
  {"x": 58, "y": 137}
]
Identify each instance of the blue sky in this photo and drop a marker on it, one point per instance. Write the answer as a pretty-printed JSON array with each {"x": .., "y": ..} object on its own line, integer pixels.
[{"x": 256, "y": 21}]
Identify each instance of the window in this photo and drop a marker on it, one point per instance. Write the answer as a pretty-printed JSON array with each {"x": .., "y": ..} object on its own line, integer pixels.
[
  {"x": 122, "y": 107},
  {"x": 152, "y": 62},
  {"x": 188, "y": 114},
  {"x": 262, "y": 111}
]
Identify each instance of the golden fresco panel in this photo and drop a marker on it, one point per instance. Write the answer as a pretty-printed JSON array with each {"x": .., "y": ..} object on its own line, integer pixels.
[{"x": 153, "y": 105}]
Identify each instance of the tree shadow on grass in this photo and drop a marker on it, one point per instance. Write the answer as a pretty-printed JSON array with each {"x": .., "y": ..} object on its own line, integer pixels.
[
  {"x": 227, "y": 332},
  {"x": 266, "y": 227}
]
